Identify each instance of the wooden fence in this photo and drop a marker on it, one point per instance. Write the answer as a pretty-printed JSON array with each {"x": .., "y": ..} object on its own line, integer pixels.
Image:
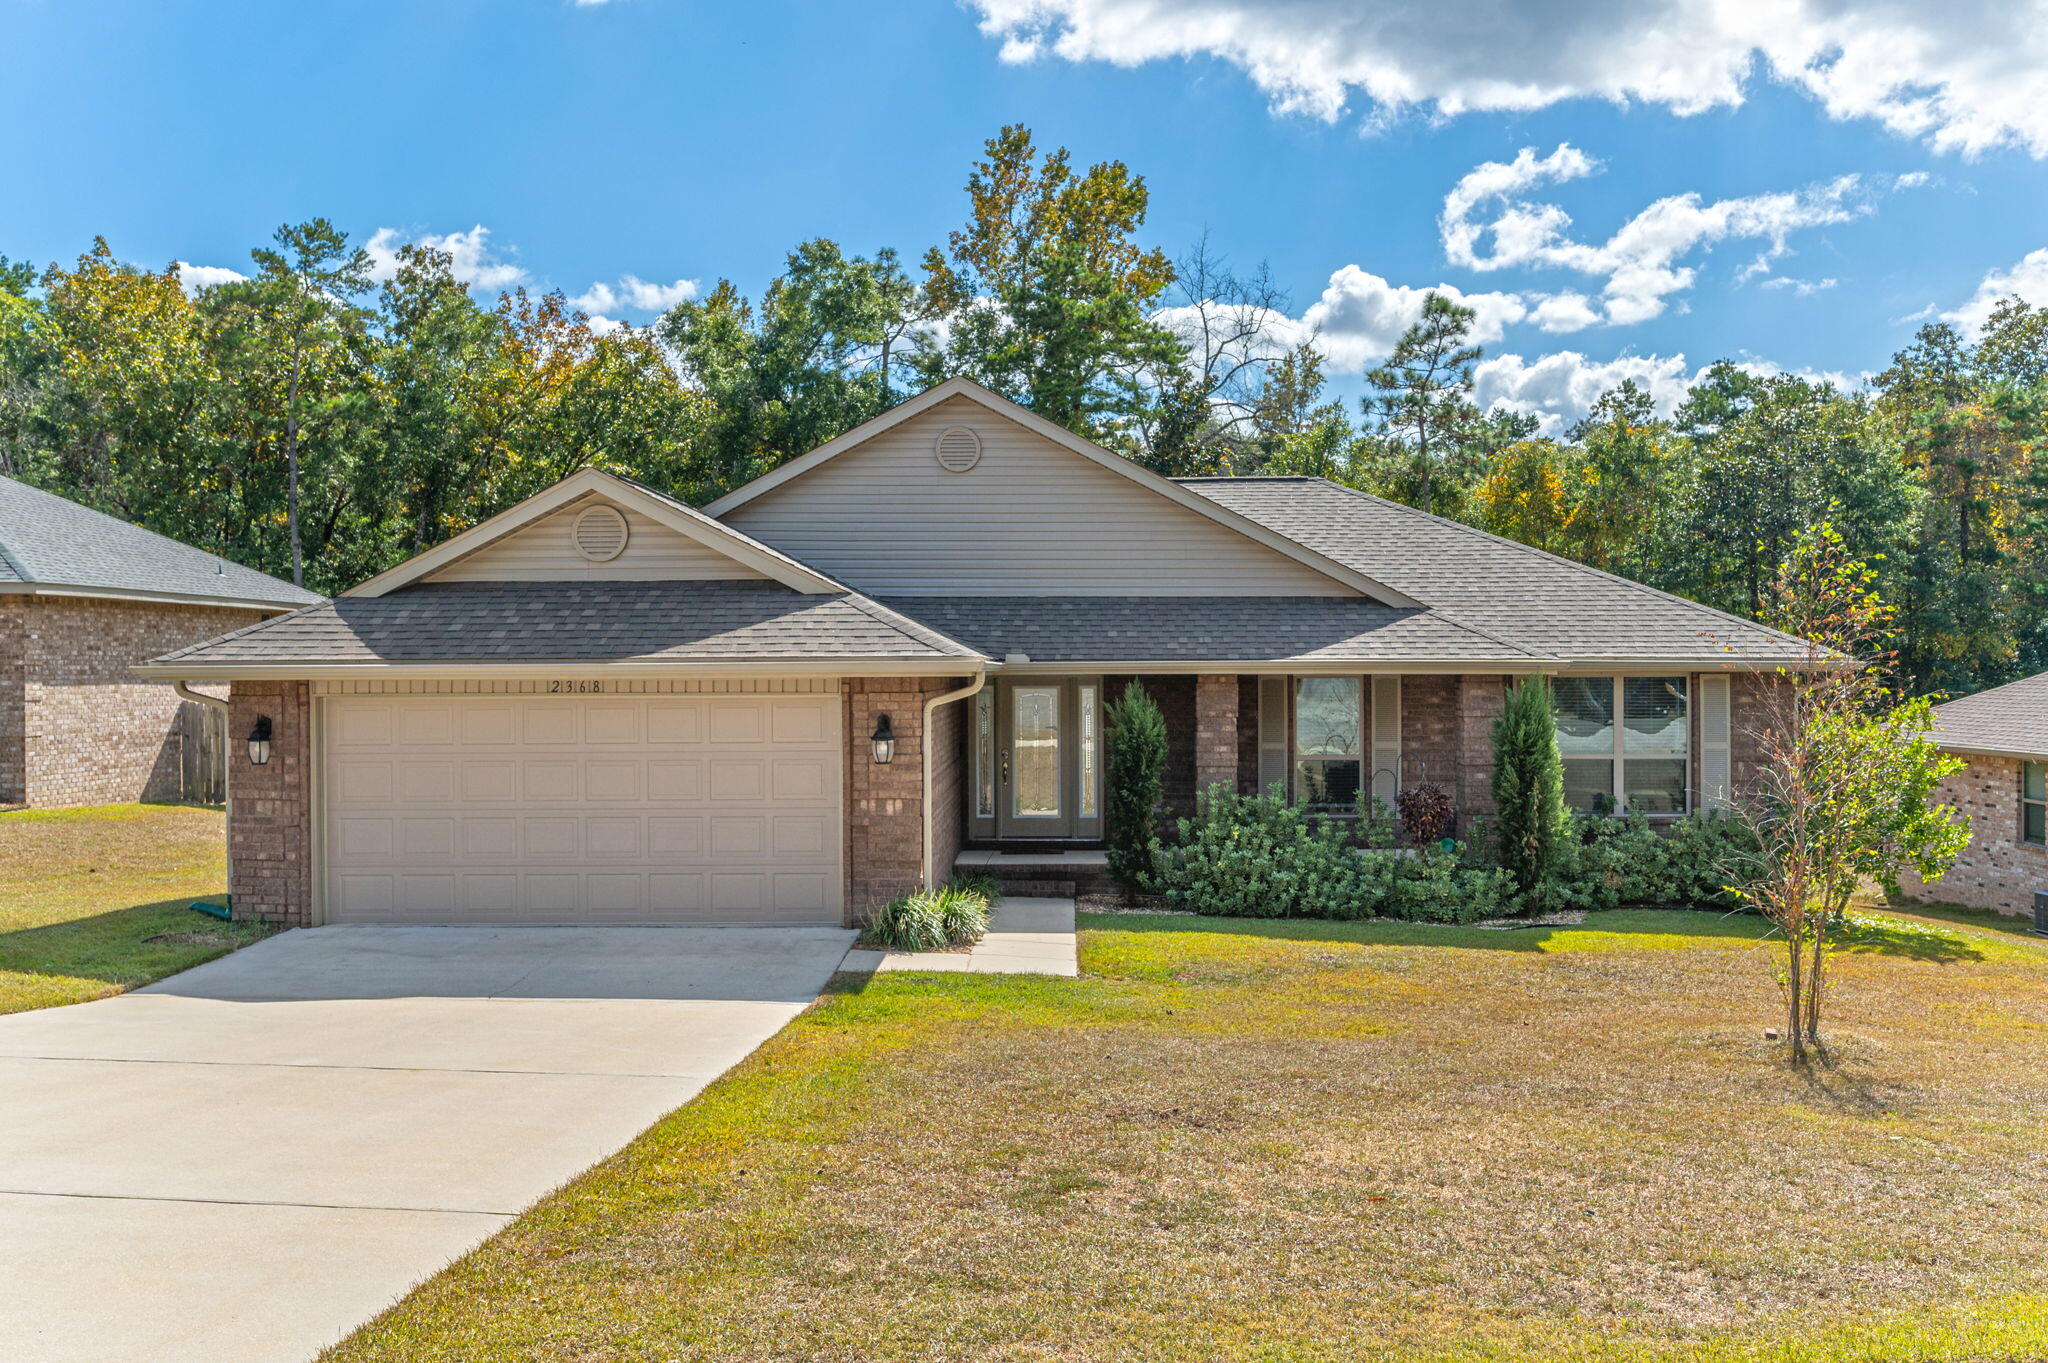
[{"x": 203, "y": 754}]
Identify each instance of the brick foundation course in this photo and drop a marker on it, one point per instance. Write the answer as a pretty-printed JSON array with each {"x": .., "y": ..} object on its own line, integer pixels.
[{"x": 77, "y": 726}]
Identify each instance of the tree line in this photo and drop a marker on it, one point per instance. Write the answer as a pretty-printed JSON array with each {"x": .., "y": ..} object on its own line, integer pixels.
[{"x": 321, "y": 424}]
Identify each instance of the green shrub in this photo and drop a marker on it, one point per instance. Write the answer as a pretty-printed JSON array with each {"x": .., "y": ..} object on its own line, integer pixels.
[
  {"x": 1134, "y": 784},
  {"x": 1616, "y": 862},
  {"x": 1532, "y": 825},
  {"x": 930, "y": 920},
  {"x": 1260, "y": 856}
]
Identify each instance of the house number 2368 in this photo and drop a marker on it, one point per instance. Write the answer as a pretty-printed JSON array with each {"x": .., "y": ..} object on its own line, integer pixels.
[{"x": 574, "y": 688}]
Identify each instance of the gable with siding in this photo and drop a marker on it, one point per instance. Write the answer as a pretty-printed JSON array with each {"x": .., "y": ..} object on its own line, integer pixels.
[
  {"x": 1028, "y": 518},
  {"x": 546, "y": 552}
]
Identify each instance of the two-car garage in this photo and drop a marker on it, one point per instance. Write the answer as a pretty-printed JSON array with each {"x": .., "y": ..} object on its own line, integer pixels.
[{"x": 542, "y": 807}]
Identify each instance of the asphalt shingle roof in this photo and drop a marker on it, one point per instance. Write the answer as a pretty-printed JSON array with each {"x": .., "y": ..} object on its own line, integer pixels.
[
  {"x": 49, "y": 540},
  {"x": 1198, "y": 628},
  {"x": 672, "y": 621},
  {"x": 1520, "y": 595},
  {"x": 2012, "y": 719}
]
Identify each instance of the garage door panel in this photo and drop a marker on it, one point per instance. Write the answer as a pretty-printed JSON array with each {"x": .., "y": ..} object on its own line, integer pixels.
[
  {"x": 490, "y": 839},
  {"x": 611, "y": 779},
  {"x": 548, "y": 722},
  {"x": 675, "y": 778},
  {"x": 490, "y": 779},
  {"x": 583, "y": 809},
  {"x": 737, "y": 778},
  {"x": 675, "y": 721},
  {"x": 486, "y": 723}
]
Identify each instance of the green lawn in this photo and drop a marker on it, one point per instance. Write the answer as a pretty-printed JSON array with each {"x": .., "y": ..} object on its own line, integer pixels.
[
  {"x": 92, "y": 901},
  {"x": 1314, "y": 1141}
]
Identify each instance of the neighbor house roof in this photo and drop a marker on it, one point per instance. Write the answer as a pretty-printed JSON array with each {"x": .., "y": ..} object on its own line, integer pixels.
[
  {"x": 442, "y": 624},
  {"x": 2006, "y": 721},
  {"x": 1294, "y": 630},
  {"x": 1512, "y": 592},
  {"x": 51, "y": 545}
]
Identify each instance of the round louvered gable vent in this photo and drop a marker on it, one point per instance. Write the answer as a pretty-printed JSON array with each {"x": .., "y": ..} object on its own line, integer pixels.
[
  {"x": 600, "y": 534},
  {"x": 959, "y": 449}
]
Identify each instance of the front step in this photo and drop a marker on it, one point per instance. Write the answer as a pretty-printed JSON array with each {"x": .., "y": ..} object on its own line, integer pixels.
[{"x": 1029, "y": 874}]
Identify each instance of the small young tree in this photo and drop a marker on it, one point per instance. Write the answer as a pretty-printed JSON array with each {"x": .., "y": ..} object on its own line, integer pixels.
[
  {"x": 1848, "y": 771},
  {"x": 1531, "y": 822},
  {"x": 1136, "y": 769}
]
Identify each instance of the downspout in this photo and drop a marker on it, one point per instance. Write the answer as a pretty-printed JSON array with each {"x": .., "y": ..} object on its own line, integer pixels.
[
  {"x": 926, "y": 870},
  {"x": 220, "y": 911}
]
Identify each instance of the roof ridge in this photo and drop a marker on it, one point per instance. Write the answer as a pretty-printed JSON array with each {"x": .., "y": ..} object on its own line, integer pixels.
[{"x": 1573, "y": 564}]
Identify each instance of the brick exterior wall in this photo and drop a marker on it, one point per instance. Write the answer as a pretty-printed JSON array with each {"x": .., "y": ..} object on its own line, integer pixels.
[
  {"x": 270, "y": 831},
  {"x": 76, "y": 726},
  {"x": 1429, "y": 732},
  {"x": 1480, "y": 701},
  {"x": 884, "y": 804},
  {"x": 1175, "y": 697},
  {"x": 1996, "y": 870},
  {"x": 13, "y": 684},
  {"x": 1216, "y": 752}
]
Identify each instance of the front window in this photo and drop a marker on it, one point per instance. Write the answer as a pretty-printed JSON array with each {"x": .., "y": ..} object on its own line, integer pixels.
[
  {"x": 1637, "y": 763},
  {"x": 1090, "y": 777},
  {"x": 2033, "y": 804},
  {"x": 1035, "y": 741},
  {"x": 1329, "y": 740},
  {"x": 985, "y": 754}
]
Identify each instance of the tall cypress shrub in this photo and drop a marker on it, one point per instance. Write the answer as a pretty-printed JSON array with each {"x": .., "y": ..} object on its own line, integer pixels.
[
  {"x": 1136, "y": 780},
  {"x": 1532, "y": 823}
]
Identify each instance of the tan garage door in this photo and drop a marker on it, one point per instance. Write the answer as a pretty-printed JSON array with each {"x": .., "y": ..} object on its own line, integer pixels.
[{"x": 584, "y": 809}]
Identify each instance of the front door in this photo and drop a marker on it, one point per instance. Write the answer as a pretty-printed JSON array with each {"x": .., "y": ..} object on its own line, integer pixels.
[{"x": 1048, "y": 757}]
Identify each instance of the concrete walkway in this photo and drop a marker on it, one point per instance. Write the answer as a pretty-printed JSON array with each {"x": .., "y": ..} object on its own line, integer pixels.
[
  {"x": 242, "y": 1163},
  {"x": 1025, "y": 937}
]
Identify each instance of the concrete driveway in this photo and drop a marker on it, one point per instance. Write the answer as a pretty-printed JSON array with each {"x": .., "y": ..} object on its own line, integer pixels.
[{"x": 245, "y": 1161}]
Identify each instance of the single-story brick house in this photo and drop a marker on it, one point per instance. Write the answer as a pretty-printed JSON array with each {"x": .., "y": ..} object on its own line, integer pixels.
[
  {"x": 84, "y": 597},
  {"x": 2002, "y": 736},
  {"x": 814, "y": 693}
]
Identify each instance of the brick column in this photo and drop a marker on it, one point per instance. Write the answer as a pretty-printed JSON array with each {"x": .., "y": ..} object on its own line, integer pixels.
[
  {"x": 1215, "y": 730},
  {"x": 270, "y": 833},
  {"x": 1480, "y": 701},
  {"x": 885, "y": 805}
]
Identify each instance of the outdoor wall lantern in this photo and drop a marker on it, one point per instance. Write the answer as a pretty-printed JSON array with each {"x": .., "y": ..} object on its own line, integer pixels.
[
  {"x": 259, "y": 741},
  {"x": 885, "y": 742}
]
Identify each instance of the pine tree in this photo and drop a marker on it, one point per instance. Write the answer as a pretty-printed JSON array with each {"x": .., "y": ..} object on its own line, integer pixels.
[{"x": 1532, "y": 822}]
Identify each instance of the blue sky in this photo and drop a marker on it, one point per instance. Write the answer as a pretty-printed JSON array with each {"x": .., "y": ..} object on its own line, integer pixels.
[{"x": 668, "y": 141}]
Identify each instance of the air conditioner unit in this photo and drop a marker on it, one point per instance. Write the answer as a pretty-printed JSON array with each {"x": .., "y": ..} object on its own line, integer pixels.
[{"x": 2041, "y": 912}]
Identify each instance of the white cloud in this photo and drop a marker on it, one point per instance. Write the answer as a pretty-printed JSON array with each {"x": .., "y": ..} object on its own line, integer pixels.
[
  {"x": 633, "y": 294},
  {"x": 1801, "y": 288},
  {"x": 1642, "y": 263},
  {"x": 1360, "y": 315},
  {"x": 471, "y": 257},
  {"x": 1963, "y": 76},
  {"x": 2028, "y": 279},
  {"x": 1560, "y": 388},
  {"x": 192, "y": 278}
]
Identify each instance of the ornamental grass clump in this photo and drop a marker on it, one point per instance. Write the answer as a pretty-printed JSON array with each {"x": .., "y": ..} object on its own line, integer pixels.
[{"x": 954, "y": 915}]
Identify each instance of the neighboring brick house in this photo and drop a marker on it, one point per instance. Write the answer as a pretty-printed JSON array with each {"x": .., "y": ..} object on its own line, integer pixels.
[
  {"x": 84, "y": 597},
  {"x": 2002, "y": 737},
  {"x": 604, "y": 705}
]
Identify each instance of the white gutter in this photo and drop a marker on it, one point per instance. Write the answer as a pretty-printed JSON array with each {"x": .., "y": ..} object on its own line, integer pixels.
[
  {"x": 926, "y": 871},
  {"x": 227, "y": 798}
]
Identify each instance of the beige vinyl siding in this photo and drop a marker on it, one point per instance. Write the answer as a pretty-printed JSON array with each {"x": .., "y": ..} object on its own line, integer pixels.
[
  {"x": 1030, "y": 518},
  {"x": 543, "y": 552}
]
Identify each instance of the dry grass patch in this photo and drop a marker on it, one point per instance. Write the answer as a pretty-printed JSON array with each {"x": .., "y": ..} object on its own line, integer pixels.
[
  {"x": 1320, "y": 1141},
  {"x": 93, "y": 901}
]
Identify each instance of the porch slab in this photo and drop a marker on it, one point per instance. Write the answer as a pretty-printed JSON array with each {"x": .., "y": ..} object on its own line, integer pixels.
[
  {"x": 1026, "y": 936},
  {"x": 977, "y": 859}
]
